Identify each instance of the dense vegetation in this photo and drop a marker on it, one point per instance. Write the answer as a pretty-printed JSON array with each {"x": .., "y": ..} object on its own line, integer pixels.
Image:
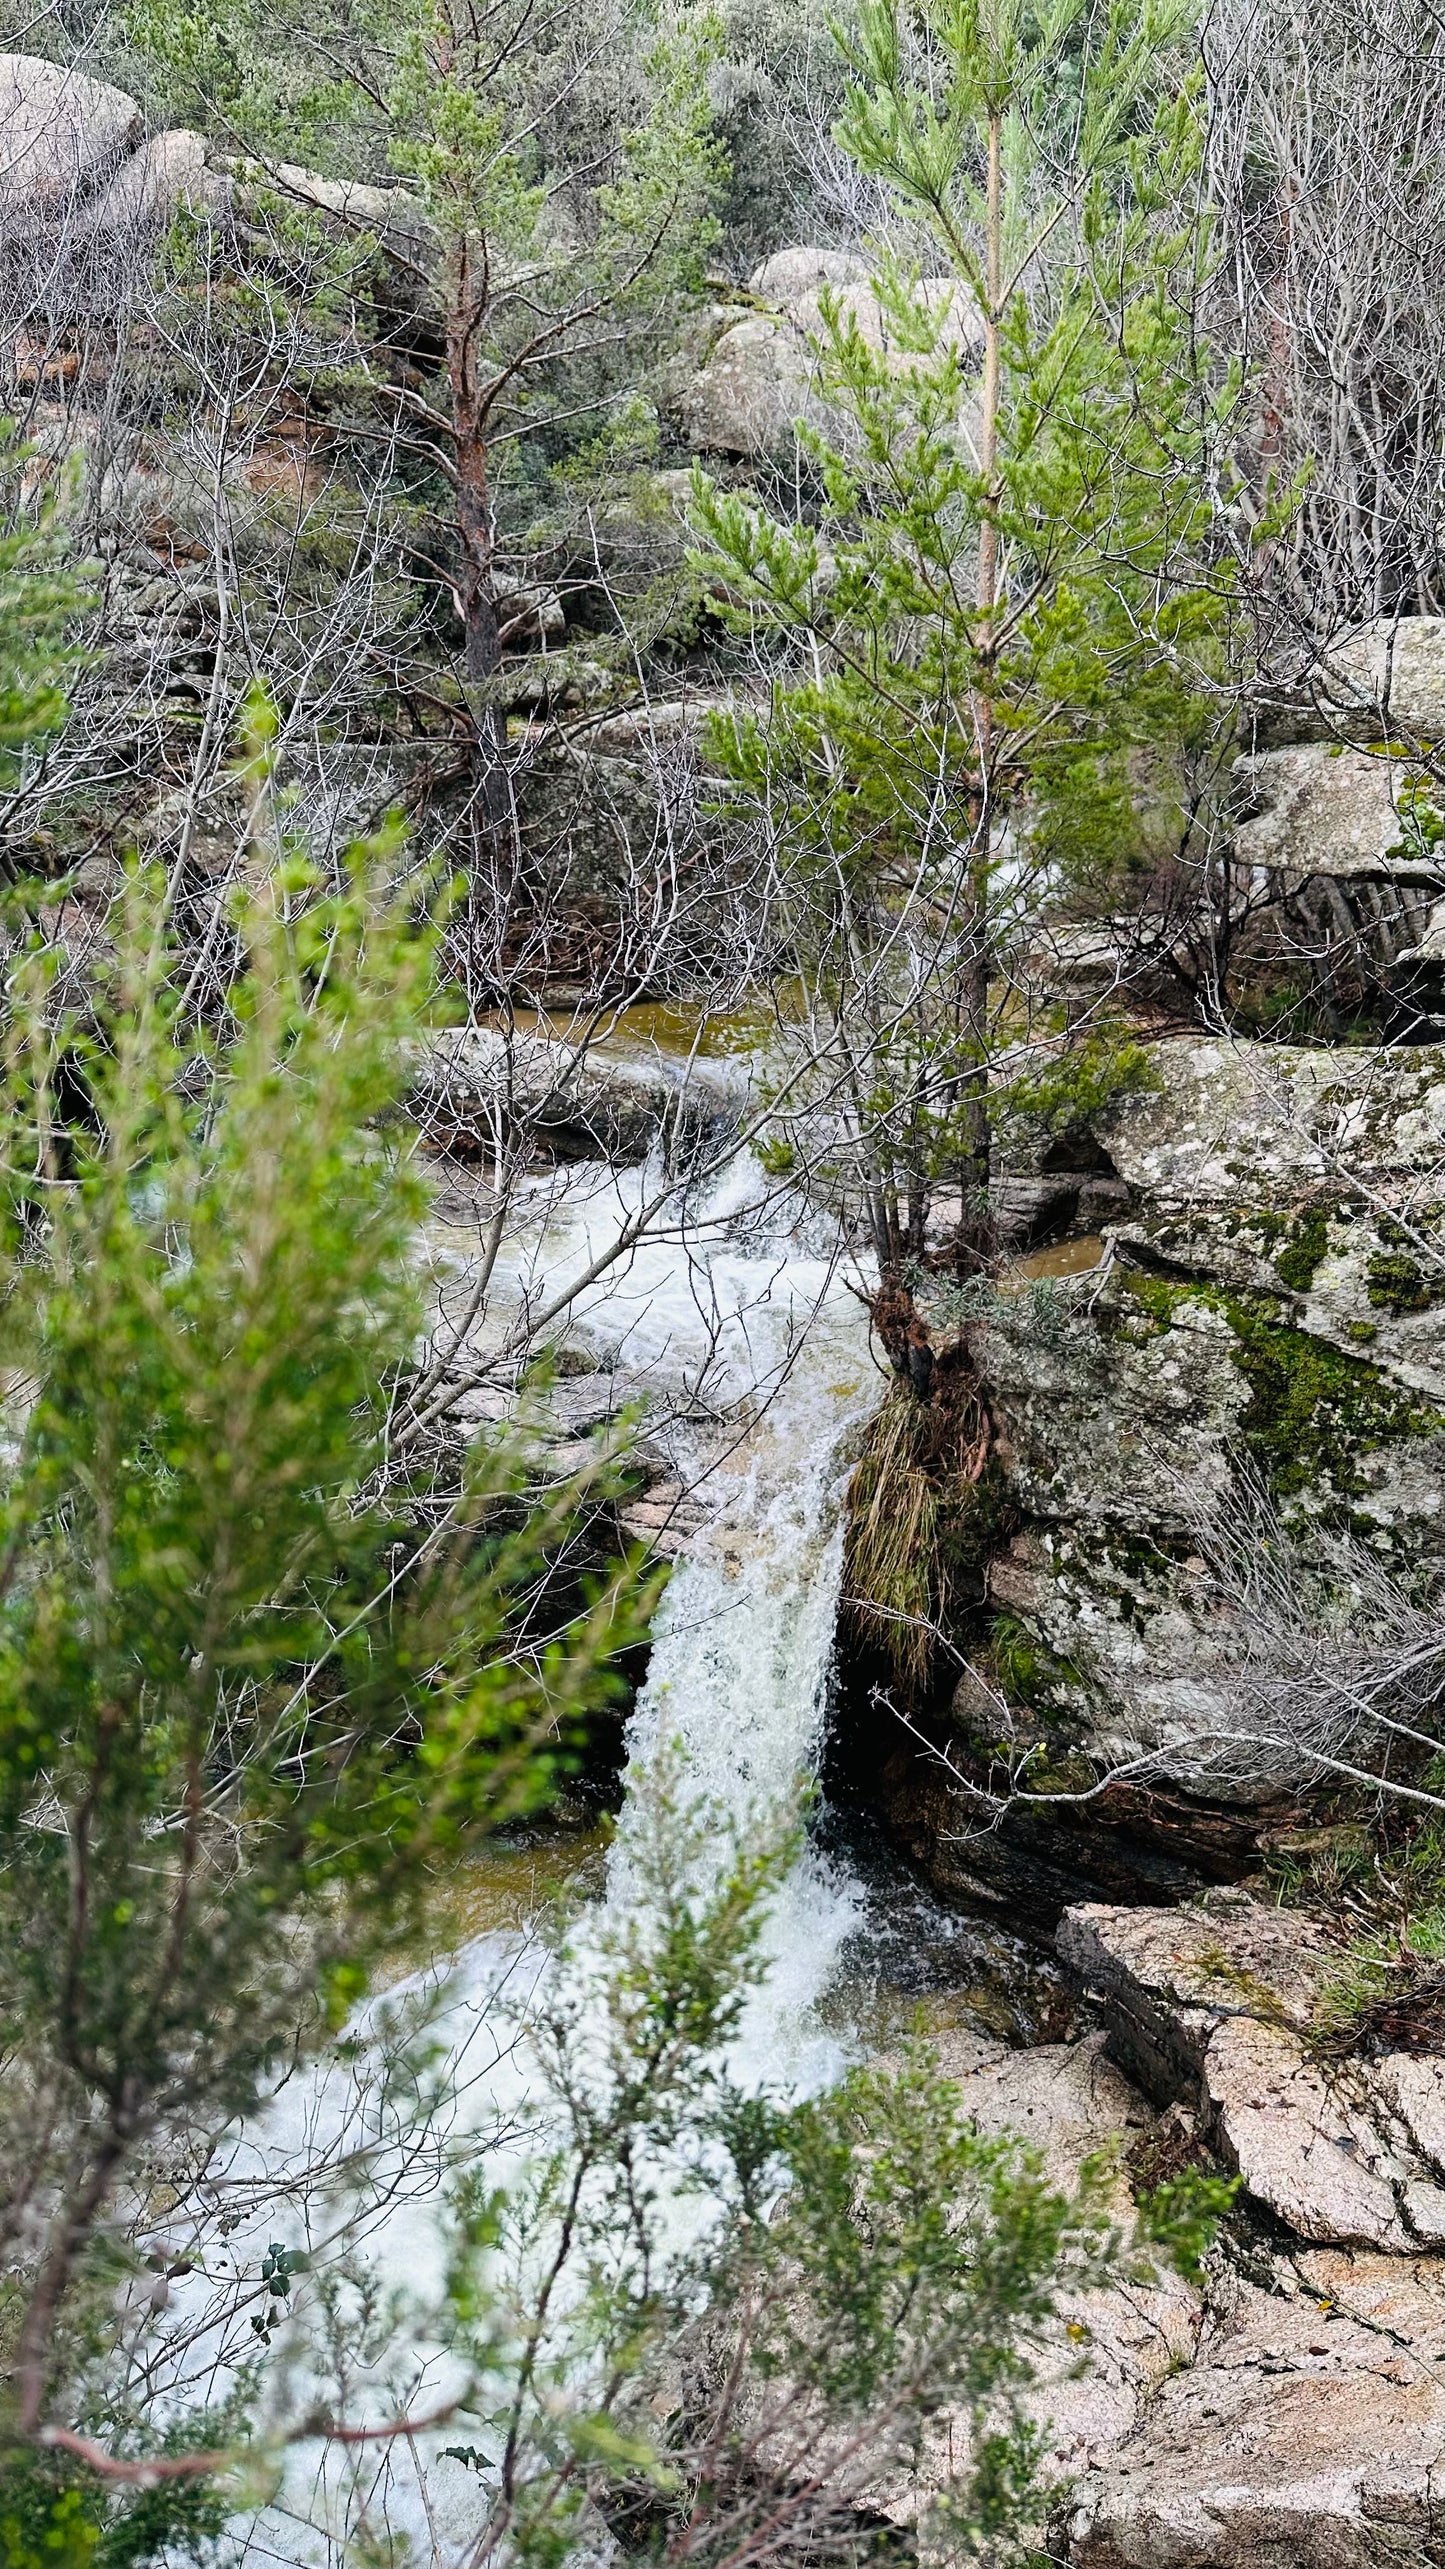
[{"x": 398, "y": 661}]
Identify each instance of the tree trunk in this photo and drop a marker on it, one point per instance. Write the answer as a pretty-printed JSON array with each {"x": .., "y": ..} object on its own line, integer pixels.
[
  {"x": 481, "y": 647},
  {"x": 468, "y": 302},
  {"x": 975, "y": 1166}
]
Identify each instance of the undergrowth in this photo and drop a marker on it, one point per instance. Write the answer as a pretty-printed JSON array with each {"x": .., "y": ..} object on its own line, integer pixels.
[{"x": 1387, "y": 1991}]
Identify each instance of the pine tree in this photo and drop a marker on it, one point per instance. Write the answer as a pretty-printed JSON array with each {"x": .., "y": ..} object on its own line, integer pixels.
[
  {"x": 1007, "y": 589},
  {"x": 561, "y": 176}
]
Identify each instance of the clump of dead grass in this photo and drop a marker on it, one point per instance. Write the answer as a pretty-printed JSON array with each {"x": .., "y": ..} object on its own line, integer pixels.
[
  {"x": 892, "y": 1567},
  {"x": 918, "y": 1511}
]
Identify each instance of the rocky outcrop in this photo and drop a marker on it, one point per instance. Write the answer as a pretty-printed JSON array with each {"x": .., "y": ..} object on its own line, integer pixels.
[
  {"x": 1305, "y": 2422},
  {"x": 760, "y": 374},
  {"x": 1307, "y": 2433},
  {"x": 1218, "y": 2006},
  {"x": 78, "y": 174},
  {"x": 584, "y": 1101},
  {"x": 755, "y": 383},
  {"x": 1320, "y": 809},
  {"x": 170, "y": 171},
  {"x": 1110, "y": 2350},
  {"x": 1289, "y": 2412},
  {"x": 1269, "y": 1291},
  {"x": 390, "y": 217},
  {"x": 1392, "y": 674},
  {"x": 1337, "y": 808},
  {"x": 1310, "y": 1178},
  {"x": 787, "y": 276},
  {"x": 1278, "y": 1277},
  {"x": 1386, "y": 680},
  {"x": 62, "y": 135}
]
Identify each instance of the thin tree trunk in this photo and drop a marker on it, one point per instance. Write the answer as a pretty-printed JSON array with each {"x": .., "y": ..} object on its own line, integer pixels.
[
  {"x": 69, "y": 2236},
  {"x": 481, "y": 648},
  {"x": 975, "y": 1160},
  {"x": 468, "y": 301}
]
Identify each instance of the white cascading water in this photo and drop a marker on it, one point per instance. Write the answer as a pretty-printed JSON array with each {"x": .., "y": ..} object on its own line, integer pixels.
[
  {"x": 745, "y": 1300},
  {"x": 742, "y": 1649},
  {"x": 740, "y": 1665}
]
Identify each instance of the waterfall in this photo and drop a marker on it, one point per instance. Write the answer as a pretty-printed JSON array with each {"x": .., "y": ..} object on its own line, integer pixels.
[
  {"x": 742, "y": 1329},
  {"x": 749, "y": 1302},
  {"x": 741, "y": 1660}
]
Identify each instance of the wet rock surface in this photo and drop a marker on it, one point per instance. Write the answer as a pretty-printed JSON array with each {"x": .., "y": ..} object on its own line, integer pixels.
[{"x": 576, "y": 1101}]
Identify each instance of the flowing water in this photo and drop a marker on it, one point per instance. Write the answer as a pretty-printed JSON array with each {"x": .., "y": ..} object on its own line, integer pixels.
[{"x": 740, "y": 1329}]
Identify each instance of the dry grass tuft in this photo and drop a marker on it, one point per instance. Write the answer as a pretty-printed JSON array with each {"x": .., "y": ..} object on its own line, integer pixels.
[{"x": 892, "y": 1573}]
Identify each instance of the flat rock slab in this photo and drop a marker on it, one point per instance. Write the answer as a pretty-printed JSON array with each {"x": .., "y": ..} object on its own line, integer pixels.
[
  {"x": 1308, "y": 2145},
  {"x": 1308, "y": 2433},
  {"x": 1111, "y": 2349},
  {"x": 1067, "y": 2100},
  {"x": 1292, "y": 2416},
  {"x": 1316, "y": 809},
  {"x": 1215, "y": 2005}
]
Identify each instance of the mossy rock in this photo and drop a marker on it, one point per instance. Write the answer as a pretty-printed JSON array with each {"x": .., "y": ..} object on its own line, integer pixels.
[
  {"x": 1314, "y": 1411},
  {"x": 1297, "y": 1264}
]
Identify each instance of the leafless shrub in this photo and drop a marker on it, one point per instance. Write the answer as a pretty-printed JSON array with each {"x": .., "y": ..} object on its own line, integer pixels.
[
  {"x": 1340, "y": 1674},
  {"x": 1326, "y": 161}
]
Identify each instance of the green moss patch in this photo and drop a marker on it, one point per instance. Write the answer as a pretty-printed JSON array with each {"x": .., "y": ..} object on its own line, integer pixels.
[
  {"x": 1313, "y": 1411},
  {"x": 1395, "y": 1280},
  {"x": 1296, "y": 1265},
  {"x": 1396, "y": 1283},
  {"x": 1024, "y": 1668}
]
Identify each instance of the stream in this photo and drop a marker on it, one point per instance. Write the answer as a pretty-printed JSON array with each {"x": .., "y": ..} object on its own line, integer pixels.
[{"x": 752, "y": 1353}]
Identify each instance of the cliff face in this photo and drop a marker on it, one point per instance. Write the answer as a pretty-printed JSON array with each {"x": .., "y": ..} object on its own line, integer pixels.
[{"x": 1253, "y": 1348}]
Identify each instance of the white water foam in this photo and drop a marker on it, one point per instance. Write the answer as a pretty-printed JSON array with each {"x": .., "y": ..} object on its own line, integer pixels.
[{"x": 740, "y": 1299}]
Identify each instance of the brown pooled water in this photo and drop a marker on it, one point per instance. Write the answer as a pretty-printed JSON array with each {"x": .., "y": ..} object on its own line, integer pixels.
[{"x": 1061, "y": 1258}]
